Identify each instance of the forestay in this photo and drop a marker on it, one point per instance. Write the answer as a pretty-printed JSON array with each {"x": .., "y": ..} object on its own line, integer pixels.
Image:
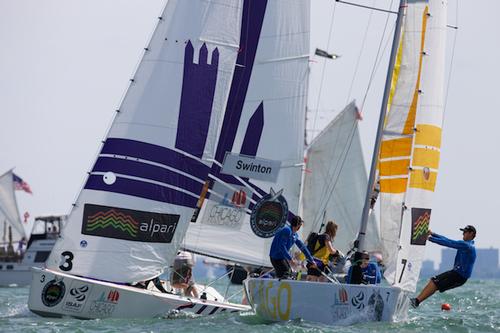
[
  {"x": 409, "y": 155},
  {"x": 9, "y": 214},
  {"x": 263, "y": 131},
  {"x": 335, "y": 182},
  {"x": 132, "y": 213}
]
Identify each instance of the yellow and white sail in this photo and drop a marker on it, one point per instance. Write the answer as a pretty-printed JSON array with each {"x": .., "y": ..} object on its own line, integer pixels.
[{"x": 411, "y": 142}]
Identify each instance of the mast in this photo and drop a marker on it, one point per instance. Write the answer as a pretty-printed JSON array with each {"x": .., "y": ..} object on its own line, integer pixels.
[{"x": 383, "y": 111}]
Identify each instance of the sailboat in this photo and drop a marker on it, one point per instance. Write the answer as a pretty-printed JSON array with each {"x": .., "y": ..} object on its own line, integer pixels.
[
  {"x": 15, "y": 261},
  {"x": 205, "y": 153},
  {"x": 405, "y": 164}
]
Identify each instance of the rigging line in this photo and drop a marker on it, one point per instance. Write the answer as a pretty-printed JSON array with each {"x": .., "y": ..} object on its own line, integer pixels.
[
  {"x": 332, "y": 20},
  {"x": 378, "y": 58},
  {"x": 451, "y": 65},
  {"x": 327, "y": 196},
  {"x": 363, "y": 44}
]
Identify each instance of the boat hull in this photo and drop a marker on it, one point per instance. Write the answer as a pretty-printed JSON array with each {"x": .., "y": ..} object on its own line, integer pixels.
[
  {"x": 55, "y": 294},
  {"x": 328, "y": 303}
]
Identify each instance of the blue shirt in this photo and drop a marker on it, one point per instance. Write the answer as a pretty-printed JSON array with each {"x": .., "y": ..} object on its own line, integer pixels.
[
  {"x": 466, "y": 253},
  {"x": 371, "y": 274},
  {"x": 282, "y": 243}
]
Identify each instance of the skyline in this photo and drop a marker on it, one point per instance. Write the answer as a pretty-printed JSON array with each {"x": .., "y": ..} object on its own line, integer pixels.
[{"x": 63, "y": 78}]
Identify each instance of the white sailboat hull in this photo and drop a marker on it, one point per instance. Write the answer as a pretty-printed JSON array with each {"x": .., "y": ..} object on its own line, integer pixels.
[
  {"x": 18, "y": 273},
  {"x": 55, "y": 294},
  {"x": 14, "y": 274},
  {"x": 328, "y": 303}
]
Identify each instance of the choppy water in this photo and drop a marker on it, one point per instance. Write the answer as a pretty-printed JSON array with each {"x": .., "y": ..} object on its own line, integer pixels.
[{"x": 475, "y": 308}]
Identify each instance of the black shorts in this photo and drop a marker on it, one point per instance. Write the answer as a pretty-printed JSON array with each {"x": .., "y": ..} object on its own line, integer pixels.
[
  {"x": 282, "y": 268},
  {"x": 448, "y": 280}
]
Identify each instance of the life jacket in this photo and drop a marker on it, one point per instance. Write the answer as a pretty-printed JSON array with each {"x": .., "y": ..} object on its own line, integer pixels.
[{"x": 315, "y": 242}]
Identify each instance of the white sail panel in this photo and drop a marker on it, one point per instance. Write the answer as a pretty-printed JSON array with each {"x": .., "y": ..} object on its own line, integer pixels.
[
  {"x": 335, "y": 182},
  {"x": 267, "y": 112},
  {"x": 9, "y": 214},
  {"x": 132, "y": 214},
  {"x": 410, "y": 150}
]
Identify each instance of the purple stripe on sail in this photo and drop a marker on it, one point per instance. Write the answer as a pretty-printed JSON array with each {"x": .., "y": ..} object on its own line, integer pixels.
[
  {"x": 146, "y": 171},
  {"x": 156, "y": 154},
  {"x": 197, "y": 96},
  {"x": 142, "y": 190},
  {"x": 251, "y": 26},
  {"x": 253, "y": 133}
]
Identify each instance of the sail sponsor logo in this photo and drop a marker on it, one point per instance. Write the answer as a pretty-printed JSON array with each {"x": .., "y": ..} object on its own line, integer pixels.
[
  {"x": 77, "y": 297},
  {"x": 230, "y": 211},
  {"x": 269, "y": 214},
  {"x": 104, "y": 306},
  {"x": 420, "y": 219},
  {"x": 127, "y": 224},
  {"x": 251, "y": 167},
  {"x": 53, "y": 292}
]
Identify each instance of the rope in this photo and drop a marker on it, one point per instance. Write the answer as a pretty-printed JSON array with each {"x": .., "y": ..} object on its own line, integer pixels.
[
  {"x": 451, "y": 64},
  {"x": 363, "y": 44},
  {"x": 378, "y": 57},
  {"x": 332, "y": 19}
]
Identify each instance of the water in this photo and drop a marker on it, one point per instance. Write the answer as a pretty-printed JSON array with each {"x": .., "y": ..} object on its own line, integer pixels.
[{"x": 475, "y": 308}]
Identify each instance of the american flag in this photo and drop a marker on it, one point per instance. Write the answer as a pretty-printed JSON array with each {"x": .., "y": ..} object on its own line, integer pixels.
[{"x": 20, "y": 184}]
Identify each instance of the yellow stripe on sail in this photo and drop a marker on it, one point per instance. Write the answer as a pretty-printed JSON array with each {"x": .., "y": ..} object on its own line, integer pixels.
[
  {"x": 395, "y": 148},
  {"x": 395, "y": 74},
  {"x": 428, "y": 135},
  {"x": 426, "y": 158},
  {"x": 423, "y": 179},
  {"x": 393, "y": 185},
  {"x": 394, "y": 167},
  {"x": 410, "y": 121}
]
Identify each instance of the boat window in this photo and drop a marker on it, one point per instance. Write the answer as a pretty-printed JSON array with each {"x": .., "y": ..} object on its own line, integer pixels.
[
  {"x": 9, "y": 267},
  {"x": 41, "y": 256}
]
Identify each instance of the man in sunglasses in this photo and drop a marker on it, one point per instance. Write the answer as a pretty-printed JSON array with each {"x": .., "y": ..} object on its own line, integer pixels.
[{"x": 462, "y": 268}]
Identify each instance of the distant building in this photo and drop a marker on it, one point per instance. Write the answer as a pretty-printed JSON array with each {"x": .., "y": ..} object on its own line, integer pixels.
[
  {"x": 427, "y": 269},
  {"x": 486, "y": 266}
]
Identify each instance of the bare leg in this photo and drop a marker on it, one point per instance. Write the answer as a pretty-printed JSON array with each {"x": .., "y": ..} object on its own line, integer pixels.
[{"x": 428, "y": 291}]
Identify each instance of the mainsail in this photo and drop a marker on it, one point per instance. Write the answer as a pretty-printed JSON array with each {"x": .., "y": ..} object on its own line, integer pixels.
[
  {"x": 263, "y": 125},
  {"x": 9, "y": 214},
  {"x": 335, "y": 182},
  {"x": 410, "y": 149},
  {"x": 132, "y": 213}
]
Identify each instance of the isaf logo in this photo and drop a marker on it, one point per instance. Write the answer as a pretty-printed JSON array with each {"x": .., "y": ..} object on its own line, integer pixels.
[{"x": 76, "y": 299}]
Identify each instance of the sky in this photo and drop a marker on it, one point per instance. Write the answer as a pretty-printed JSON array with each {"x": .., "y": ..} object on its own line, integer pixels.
[{"x": 65, "y": 65}]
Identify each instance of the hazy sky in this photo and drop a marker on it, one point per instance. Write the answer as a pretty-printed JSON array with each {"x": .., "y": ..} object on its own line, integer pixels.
[{"x": 65, "y": 65}]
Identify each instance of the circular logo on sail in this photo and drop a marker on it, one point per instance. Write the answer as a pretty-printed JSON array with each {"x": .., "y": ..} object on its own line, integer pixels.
[
  {"x": 53, "y": 293},
  {"x": 269, "y": 214}
]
